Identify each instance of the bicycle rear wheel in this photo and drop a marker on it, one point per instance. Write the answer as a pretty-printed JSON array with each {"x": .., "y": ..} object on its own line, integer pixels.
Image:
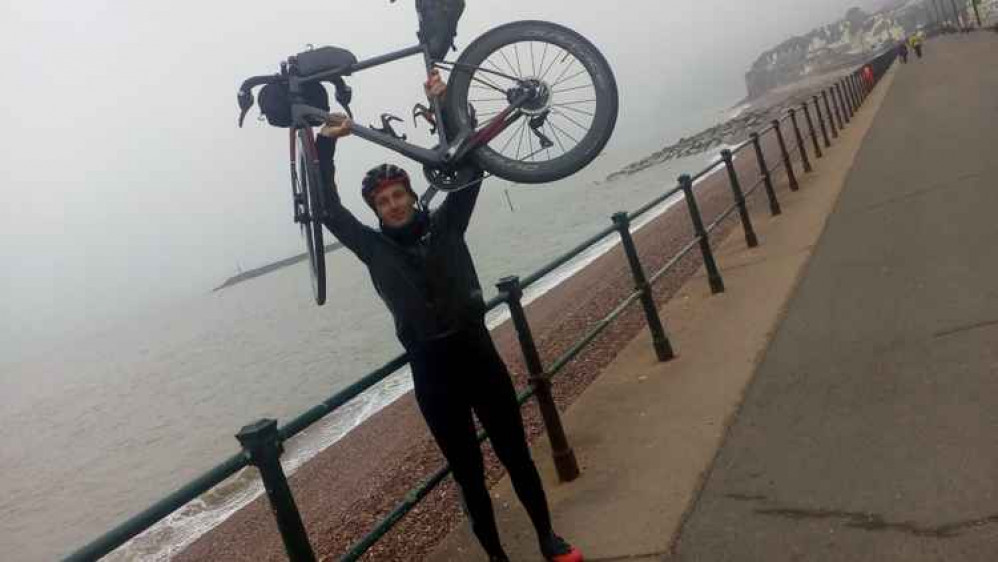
[
  {"x": 556, "y": 133},
  {"x": 305, "y": 184}
]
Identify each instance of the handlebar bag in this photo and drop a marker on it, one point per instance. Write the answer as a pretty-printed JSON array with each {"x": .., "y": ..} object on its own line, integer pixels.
[{"x": 275, "y": 101}]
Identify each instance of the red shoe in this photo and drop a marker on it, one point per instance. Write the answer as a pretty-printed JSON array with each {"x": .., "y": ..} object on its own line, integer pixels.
[{"x": 556, "y": 549}]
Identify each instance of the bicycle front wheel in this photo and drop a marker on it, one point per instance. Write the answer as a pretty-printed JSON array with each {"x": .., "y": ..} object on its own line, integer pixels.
[
  {"x": 308, "y": 208},
  {"x": 558, "y": 131}
]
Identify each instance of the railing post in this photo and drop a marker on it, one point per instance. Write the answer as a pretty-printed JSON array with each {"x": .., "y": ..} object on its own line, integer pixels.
[
  {"x": 800, "y": 142},
  {"x": 811, "y": 130},
  {"x": 850, "y": 103},
  {"x": 767, "y": 179},
  {"x": 828, "y": 112},
  {"x": 663, "y": 348},
  {"x": 736, "y": 189},
  {"x": 564, "y": 458},
  {"x": 845, "y": 105},
  {"x": 838, "y": 109},
  {"x": 850, "y": 100},
  {"x": 262, "y": 447},
  {"x": 821, "y": 121},
  {"x": 854, "y": 93},
  {"x": 713, "y": 274},
  {"x": 787, "y": 162}
]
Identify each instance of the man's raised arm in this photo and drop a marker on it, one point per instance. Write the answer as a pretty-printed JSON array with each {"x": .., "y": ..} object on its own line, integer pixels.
[{"x": 357, "y": 237}]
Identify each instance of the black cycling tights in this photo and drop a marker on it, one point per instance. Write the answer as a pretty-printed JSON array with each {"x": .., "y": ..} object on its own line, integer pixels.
[{"x": 454, "y": 376}]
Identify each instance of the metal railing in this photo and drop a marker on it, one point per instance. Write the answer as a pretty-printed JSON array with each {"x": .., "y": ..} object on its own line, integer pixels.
[{"x": 262, "y": 442}]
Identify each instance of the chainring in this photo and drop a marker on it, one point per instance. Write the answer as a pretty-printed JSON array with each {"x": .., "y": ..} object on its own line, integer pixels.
[{"x": 451, "y": 179}]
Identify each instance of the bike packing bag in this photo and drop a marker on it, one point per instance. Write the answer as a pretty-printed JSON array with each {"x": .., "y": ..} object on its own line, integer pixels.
[
  {"x": 275, "y": 101},
  {"x": 324, "y": 59},
  {"x": 438, "y": 24}
]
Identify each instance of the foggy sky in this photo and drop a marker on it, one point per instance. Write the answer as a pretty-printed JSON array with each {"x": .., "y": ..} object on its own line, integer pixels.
[{"x": 126, "y": 184}]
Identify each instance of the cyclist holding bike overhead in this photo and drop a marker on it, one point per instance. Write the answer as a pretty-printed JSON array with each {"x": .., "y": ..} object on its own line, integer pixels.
[{"x": 421, "y": 267}]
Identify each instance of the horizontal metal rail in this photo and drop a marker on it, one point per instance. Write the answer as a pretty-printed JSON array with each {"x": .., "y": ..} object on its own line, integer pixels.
[
  {"x": 721, "y": 218},
  {"x": 567, "y": 257},
  {"x": 601, "y": 325},
  {"x": 675, "y": 259}
]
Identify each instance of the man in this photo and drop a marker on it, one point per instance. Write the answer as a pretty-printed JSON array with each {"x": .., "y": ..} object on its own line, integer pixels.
[
  {"x": 903, "y": 51},
  {"x": 421, "y": 267}
]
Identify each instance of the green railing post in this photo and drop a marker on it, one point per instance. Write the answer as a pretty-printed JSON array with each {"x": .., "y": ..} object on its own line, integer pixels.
[
  {"x": 767, "y": 179},
  {"x": 855, "y": 92},
  {"x": 810, "y": 127},
  {"x": 564, "y": 458},
  {"x": 839, "y": 110},
  {"x": 787, "y": 162},
  {"x": 713, "y": 274},
  {"x": 800, "y": 142},
  {"x": 821, "y": 121},
  {"x": 263, "y": 448},
  {"x": 663, "y": 348},
  {"x": 736, "y": 189},
  {"x": 846, "y": 115},
  {"x": 831, "y": 116}
]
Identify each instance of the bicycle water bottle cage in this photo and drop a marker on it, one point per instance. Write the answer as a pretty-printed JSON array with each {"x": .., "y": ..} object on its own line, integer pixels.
[{"x": 386, "y": 126}]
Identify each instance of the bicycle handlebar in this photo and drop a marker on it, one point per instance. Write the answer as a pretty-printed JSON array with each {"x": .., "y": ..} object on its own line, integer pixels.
[{"x": 245, "y": 95}]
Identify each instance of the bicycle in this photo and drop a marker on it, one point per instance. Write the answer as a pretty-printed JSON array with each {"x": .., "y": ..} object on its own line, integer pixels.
[{"x": 527, "y": 105}]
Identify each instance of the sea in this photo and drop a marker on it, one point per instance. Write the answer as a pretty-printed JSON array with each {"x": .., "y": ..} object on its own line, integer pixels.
[{"x": 96, "y": 431}]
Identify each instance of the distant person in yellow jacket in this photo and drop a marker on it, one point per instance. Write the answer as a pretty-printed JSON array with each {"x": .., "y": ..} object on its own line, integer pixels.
[{"x": 916, "y": 44}]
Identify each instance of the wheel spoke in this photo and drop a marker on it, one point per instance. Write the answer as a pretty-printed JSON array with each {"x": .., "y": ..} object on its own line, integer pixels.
[
  {"x": 488, "y": 99},
  {"x": 554, "y": 61},
  {"x": 557, "y": 139},
  {"x": 518, "y": 67},
  {"x": 530, "y": 141},
  {"x": 544, "y": 55},
  {"x": 580, "y": 111},
  {"x": 489, "y": 84},
  {"x": 563, "y": 131},
  {"x": 579, "y": 73},
  {"x": 564, "y": 71},
  {"x": 577, "y": 124},
  {"x": 510, "y": 140},
  {"x": 574, "y": 102},
  {"x": 505, "y": 58},
  {"x": 590, "y": 85},
  {"x": 519, "y": 143},
  {"x": 533, "y": 64}
]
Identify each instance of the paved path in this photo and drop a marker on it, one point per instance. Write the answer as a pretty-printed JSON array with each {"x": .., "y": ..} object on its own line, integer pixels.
[{"x": 870, "y": 430}]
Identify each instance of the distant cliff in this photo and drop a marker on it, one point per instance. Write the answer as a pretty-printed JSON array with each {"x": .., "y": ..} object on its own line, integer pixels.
[
  {"x": 254, "y": 273},
  {"x": 845, "y": 42}
]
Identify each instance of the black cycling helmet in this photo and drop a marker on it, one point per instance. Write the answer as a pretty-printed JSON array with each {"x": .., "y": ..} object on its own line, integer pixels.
[{"x": 382, "y": 175}]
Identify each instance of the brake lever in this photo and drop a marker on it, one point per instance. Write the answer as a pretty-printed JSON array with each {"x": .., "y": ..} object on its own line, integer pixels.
[{"x": 245, "y": 103}]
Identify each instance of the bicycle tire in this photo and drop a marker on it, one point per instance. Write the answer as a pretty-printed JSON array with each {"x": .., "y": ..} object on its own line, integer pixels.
[
  {"x": 458, "y": 118},
  {"x": 311, "y": 228}
]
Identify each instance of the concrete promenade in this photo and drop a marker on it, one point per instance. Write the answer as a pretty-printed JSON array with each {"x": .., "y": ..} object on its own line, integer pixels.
[{"x": 840, "y": 400}]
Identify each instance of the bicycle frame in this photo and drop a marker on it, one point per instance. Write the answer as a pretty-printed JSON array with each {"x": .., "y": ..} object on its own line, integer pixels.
[{"x": 444, "y": 155}]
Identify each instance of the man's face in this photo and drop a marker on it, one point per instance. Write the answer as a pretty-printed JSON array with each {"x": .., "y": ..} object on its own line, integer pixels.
[{"x": 394, "y": 204}]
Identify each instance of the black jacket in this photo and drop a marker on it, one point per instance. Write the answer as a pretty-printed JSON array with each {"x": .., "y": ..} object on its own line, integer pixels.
[{"x": 429, "y": 285}]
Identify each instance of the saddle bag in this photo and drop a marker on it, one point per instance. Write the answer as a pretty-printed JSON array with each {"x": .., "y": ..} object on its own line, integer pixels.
[{"x": 438, "y": 24}]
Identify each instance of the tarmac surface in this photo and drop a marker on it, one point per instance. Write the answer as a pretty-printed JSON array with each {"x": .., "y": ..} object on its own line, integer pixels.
[{"x": 870, "y": 430}]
